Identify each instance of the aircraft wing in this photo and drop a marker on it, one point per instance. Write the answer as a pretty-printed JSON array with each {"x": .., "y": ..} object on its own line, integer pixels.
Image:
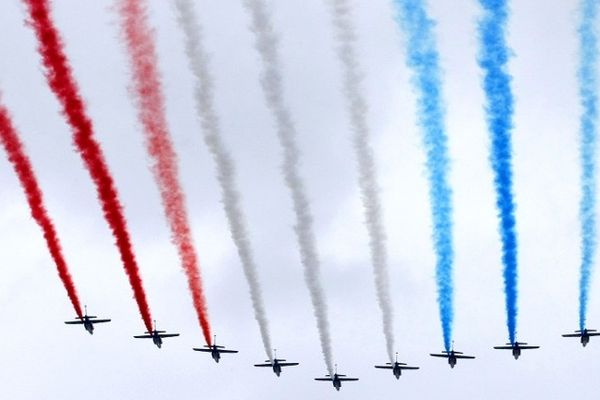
[
  {"x": 323, "y": 379},
  {"x": 440, "y": 355},
  {"x": 287, "y": 364},
  {"x": 227, "y": 351},
  {"x": 163, "y": 335},
  {"x": 593, "y": 334},
  {"x": 384, "y": 366},
  {"x": 401, "y": 367},
  {"x": 505, "y": 347},
  {"x": 143, "y": 337},
  {"x": 347, "y": 379},
  {"x": 263, "y": 365},
  {"x": 73, "y": 322},
  {"x": 96, "y": 321},
  {"x": 202, "y": 350},
  {"x": 529, "y": 347},
  {"x": 464, "y": 357}
]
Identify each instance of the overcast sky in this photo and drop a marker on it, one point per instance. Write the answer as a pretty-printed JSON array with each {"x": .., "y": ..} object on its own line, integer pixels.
[{"x": 43, "y": 358}]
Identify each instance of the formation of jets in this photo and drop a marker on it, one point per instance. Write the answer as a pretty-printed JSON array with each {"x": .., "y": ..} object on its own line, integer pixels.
[{"x": 276, "y": 364}]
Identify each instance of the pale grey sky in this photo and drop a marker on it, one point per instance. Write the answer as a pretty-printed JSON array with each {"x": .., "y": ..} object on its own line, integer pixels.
[{"x": 43, "y": 358}]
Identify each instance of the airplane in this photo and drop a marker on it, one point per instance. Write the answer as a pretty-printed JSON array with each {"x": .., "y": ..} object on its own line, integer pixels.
[
  {"x": 516, "y": 348},
  {"x": 396, "y": 367},
  {"x": 276, "y": 364},
  {"x": 87, "y": 321},
  {"x": 584, "y": 335},
  {"x": 452, "y": 356},
  {"x": 336, "y": 380},
  {"x": 156, "y": 336},
  {"x": 215, "y": 350}
]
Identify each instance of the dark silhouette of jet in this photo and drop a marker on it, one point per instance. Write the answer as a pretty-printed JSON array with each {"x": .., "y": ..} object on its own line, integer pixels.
[
  {"x": 276, "y": 364},
  {"x": 584, "y": 335},
  {"x": 336, "y": 379},
  {"x": 156, "y": 336},
  {"x": 516, "y": 348},
  {"x": 396, "y": 367},
  {"x": 87, "y": 321},
  {"x": 452, "y": 356},
  {"x": 215, "y": 350}
]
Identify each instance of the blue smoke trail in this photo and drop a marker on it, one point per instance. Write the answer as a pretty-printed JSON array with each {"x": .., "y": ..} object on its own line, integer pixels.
[
  {"x": 493, "y": 59},
  {"x": 423, "y": 60},
  {"x": 588, "y": 70}
]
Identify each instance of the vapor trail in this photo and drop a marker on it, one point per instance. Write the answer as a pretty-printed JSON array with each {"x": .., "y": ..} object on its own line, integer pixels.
[
  {"x": 18, "y": 157},
  {"x": 226, "y": 173},
  {"x": 151, "y": 113},
  {"x": 267, "y": 46},
  {"x": 357, "y": 108},
  {"x": 493, "y": 59},
  {"x": 423, "y": 58},
  {"x": 62, "y": 83},
  {"x": 588, "y": 93}
]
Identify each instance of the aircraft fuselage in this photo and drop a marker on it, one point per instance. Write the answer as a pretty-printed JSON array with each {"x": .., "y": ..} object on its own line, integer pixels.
[
  {"x": 452, "y": 360},
  {"x": 277, "y": 368},
  {"x": 585, "y": 339},
  {"x": 88, "y": 325},
  {"x": 337, "y": 384},
  {"x": 516, "y": 351},
  {"x": 157, "y": 340},
  {"x": 216, "y": 355}
]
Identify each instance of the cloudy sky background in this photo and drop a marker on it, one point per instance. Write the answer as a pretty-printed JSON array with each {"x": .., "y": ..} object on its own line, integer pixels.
[{"x": 43, "y": 358}]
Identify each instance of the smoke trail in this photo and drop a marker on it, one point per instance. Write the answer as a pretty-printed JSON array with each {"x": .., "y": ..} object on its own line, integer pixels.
[
  {"x": 61, "y": 81},
  {"x": 493, "y": 60},
  {"x": 423, "y": 59},
  {"x": 588, "y": 86},
  {"x": 357, "y": 107},
  {"x": 205, "y": 103},
  {"x": 151, "y": 113},
  {"x": 24, "y": 170},
  {"x": 266, "y": 44}
]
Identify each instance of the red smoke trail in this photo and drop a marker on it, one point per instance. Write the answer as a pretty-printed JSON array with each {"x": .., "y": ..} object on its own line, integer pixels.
[
  {"x": 61, "y": 81},
  {"x": 24, "y": 170},
  {"x": 151, "y": 113}
]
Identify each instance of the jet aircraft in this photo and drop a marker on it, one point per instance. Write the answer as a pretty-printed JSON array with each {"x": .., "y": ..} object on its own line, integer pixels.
[
  {"x": 276, "y": 364},
  {"x": 516, "y": 348},
  {"x": 336, "y": 379},
  {"x": 396, "y": 367},
  {"x": 584, "y": 335},
  {"x": 156, "y": 336},
  {"x": 215, "y": 350},
  {"x": 453, "y": 356},
  {"x": 87, "y": 321}
]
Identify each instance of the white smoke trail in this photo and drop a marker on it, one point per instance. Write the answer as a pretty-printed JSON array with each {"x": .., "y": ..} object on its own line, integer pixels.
[
  {"x": 266, "y": 44},
  {"x": 357, "y": 107},
  {"x": 204, "y": 96}
]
